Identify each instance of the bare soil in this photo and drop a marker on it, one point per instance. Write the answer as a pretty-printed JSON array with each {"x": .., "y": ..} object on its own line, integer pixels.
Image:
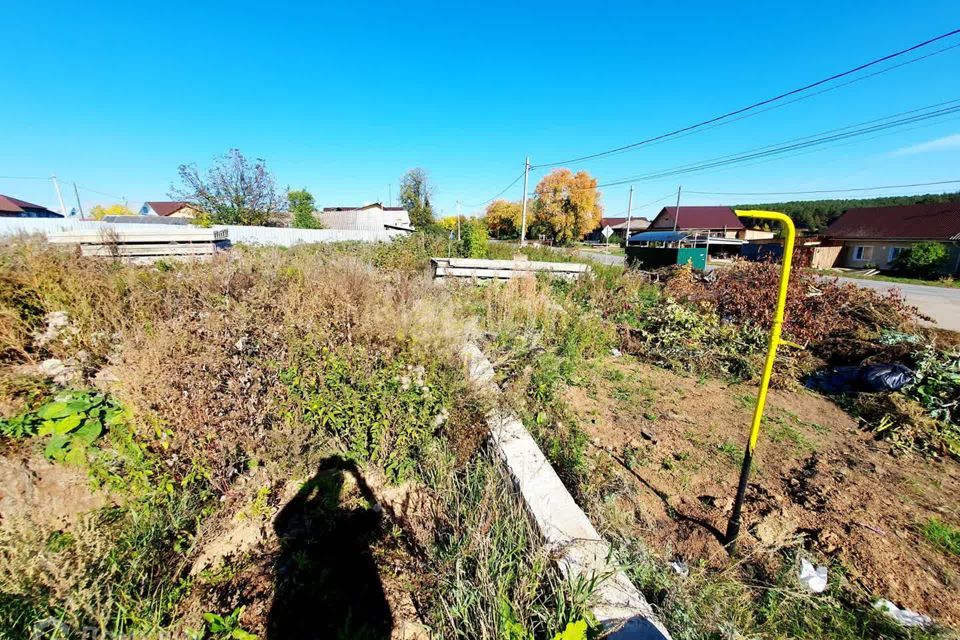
[
  {"x": 328, "y": 562},
  {"x": 818, "y": 481}
]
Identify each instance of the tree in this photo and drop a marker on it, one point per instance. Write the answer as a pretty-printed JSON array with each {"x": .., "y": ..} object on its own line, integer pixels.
[
  {"x": 924, "y": 259},
  {"x": 474, "y": 239},
  {"x": 98, "y": 212},
  {"x": 302, "y": 206},
  {"x": 415, "y": 192},
  {"x": 232, "y": 192},
  {"x": 503, "y": 218},
  {"x": 567, "y": 205}
]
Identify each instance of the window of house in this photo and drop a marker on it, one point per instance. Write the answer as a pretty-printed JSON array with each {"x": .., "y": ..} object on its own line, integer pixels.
[
  {"x": 893, "y": 253},
  {"x": 862, "y": 253}
]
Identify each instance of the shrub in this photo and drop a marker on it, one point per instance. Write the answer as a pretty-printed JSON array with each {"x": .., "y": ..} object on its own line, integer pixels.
[
  {"x": 923, "y": 259},
  {"x": 815, "y": 309},
  {"x": 473, "y": 242}
]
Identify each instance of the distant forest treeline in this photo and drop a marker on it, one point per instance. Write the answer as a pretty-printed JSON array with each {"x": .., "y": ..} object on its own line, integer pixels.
[{"x": 817, "y": 214}]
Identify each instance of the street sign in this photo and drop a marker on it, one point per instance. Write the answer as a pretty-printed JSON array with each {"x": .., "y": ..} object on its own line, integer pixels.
[{"x": 607, "y": 232}]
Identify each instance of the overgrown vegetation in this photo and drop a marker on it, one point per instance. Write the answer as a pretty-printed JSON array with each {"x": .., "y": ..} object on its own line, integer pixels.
[{"x": 193, "y": 394}]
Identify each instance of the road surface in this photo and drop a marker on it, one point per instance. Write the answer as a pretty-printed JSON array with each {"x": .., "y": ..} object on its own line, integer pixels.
[{"x": 940, "y": 303}]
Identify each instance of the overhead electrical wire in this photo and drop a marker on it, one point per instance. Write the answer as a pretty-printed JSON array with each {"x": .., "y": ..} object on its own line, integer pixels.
[
  {"x": 816, "y": 191},
  {"x": 818, "y": 139},
  {"x": 751, "y": 107},
  {"x": 499, "y": 193}
]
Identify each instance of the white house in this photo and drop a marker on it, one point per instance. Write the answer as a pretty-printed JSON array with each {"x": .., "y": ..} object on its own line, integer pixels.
[{"x": 371, "y": 217}]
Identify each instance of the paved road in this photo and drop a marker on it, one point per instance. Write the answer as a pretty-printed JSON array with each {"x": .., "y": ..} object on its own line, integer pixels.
[{"x": 940, "y": 303}]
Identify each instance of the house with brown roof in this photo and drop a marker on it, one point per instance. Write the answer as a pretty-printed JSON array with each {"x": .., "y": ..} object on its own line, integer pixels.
[
  {"x": 720, "y": 222},
  {"x": 619, "y": 227},
  {"x": 168, "y": 209},
  {"x": 873, "y": 237},
  {"x": 11, "y": 207}
]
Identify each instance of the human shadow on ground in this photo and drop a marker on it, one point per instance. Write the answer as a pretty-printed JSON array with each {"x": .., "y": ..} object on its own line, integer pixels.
[{"x": 326, "y": 583}]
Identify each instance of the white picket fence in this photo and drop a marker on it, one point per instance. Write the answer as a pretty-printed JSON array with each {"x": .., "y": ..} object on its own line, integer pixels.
[{"x": 272, "y": 236}]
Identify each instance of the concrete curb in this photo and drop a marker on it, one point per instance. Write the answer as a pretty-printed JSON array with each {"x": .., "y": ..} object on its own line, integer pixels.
[{"x": 581, "y": 552}]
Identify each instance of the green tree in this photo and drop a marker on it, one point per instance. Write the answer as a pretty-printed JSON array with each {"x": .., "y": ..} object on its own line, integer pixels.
[
  {"x": 567, "y": 205},
  {"x": 924, "y": 259},
  {"x": 233, "y": 191},
  {"x": 473, "y": 243},
  {"x": 302, "y": 206},
  {"x": 415, "y": 192}
]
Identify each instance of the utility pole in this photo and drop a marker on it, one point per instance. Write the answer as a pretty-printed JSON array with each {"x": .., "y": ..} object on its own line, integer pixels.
[
  {"x": 390, "y": 192},
  {"x": 458, "y": 221},
  {"x": 626, "y": 238},
  {"x": 77, "y": 193},
  {"x": 56, "y": 186},
  {"x": 523, "y": 215},
  {"x": 676, "y": 215}
]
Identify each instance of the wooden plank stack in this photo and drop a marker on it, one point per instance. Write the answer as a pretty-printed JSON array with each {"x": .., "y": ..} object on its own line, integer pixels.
[
  {"x": 502, "y": 269},
  {"x": 143, "y": 243}
]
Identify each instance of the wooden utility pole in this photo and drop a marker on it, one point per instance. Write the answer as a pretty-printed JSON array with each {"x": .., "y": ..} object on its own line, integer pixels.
[
  {"x": 458, "y": 221},
  {"x": 523, "y": 214},
  {"x": 77, "y": 194},
  {"x": 676, "y": 214},
  {"x": 626, "y": 238}
]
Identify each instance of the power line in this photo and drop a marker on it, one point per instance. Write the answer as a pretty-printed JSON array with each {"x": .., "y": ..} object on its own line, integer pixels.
[
  {"x": 24, "y": 177},
  {"x": 755, "y": 105},
  {"x": 792, "y": 193},
  {"x": 499, "y": 193},
  {"x": 799, "y": 143}
]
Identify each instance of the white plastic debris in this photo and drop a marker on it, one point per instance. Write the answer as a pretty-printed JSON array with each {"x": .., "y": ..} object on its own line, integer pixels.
[
  {"x": 813, "y": 578},
  {"x": 681, "y": 568},
  {"x": 616, "y": 353},
  {"x": 906, "y": 617}
]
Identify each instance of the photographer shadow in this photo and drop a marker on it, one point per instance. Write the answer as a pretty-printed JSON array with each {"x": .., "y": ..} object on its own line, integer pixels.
[{"x": 326, "y": 583}]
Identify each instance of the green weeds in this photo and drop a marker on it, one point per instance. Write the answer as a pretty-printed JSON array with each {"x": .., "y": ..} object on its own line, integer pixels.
[{"x": 942, "y": 535}]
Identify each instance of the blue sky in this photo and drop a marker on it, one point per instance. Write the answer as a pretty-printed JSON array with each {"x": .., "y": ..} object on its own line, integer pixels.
[{"x": 342, "y": 99}]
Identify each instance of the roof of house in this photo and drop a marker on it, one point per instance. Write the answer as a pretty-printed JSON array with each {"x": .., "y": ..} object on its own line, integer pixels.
[
  {"x": 9, "y": 204},
  {"x": 635, "y": 223},
  {"x": 376, "y": 205},
  {"x": 697, "y": 218},
  {"x": 167, "y": 208},
  {"x": 939, "y": 221}
]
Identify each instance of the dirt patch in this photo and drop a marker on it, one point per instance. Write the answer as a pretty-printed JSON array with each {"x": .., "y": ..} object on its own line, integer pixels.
[
  {"x": 818, "y": 480},
  {"x": 327, "y": 562},
  {"x": 45, "y": 493}
]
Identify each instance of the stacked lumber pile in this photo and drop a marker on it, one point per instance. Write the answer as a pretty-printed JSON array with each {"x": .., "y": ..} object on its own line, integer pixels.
[
  {"x": 145, "y": 243},
  {"x": 502, "y": 269}
]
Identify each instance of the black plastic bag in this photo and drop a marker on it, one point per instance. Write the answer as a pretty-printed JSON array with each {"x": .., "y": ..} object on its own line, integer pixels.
[{"x": 869, "y": 378}]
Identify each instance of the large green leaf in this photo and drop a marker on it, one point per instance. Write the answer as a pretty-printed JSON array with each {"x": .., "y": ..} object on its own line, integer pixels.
[
  {"x": 68, "y": 423},
  {"x": 54, "y": 410},
  {"x": 55, "y": 447},
  {"x": 89, "y": 432}
]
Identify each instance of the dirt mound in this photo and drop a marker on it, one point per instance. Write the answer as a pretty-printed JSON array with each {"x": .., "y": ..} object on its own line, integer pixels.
[{"x": 818, "y": 480}]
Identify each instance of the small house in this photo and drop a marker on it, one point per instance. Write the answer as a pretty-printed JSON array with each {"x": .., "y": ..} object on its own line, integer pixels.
[
  {"x": 873, "y": 237},
  {"x": 370, "y": 217},
  {"x": 11, "y": 207},
  {"x": 168, "y": 209}
]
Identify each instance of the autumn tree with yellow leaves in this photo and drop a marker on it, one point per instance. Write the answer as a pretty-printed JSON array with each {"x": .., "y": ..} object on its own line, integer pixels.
[
  {"x": 503, "y": 219},
  {"x": 567, "y": 205},
  {"x": 99, "y": 212}
]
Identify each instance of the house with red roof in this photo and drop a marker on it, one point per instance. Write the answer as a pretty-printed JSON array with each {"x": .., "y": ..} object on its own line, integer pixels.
[
  {"x": 11, "y": 207},
  {"x": 873, "y": 237},
  {"x": 168, "y": 209},
  {"x": 718, "y": 222}
]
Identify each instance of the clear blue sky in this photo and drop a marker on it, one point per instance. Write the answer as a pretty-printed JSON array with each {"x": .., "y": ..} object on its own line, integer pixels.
[{"x": 343, "y": 98}]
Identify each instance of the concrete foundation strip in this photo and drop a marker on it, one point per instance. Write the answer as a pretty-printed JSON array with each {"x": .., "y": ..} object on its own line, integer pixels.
[{"x": 567, "y": 532}]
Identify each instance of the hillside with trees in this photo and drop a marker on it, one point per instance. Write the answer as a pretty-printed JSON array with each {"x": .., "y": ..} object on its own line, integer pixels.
[{"x": 817, "y": 214}]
